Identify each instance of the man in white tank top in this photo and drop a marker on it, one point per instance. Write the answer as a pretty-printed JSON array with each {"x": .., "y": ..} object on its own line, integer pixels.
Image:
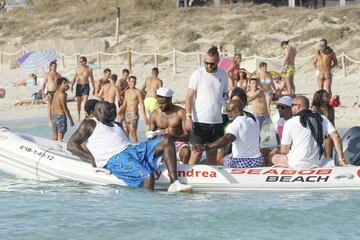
[{"x": 109, "y": 147}]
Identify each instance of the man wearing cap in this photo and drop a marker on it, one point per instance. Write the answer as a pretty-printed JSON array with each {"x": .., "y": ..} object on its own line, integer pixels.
[
  {"x": 285, "y": 113},
  {"x": 171, "y": 119},
  {"x": 129, "y": 110},
  {"x": 208, "y": 89},
  {"x": 305, "y": 133}
]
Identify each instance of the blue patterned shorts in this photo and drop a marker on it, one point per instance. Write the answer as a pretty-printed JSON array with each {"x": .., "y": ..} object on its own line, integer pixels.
[
  {"x": 59, "y": 123},
  {"x": 231, "y": 162}
]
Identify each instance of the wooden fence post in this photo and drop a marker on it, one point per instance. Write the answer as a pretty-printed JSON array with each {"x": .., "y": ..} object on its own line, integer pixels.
[
  {"x": 156, "y": 59},
  {"x": 343, "y": 64},
  {"x": 174, "y": 61},
  {"x": 98, "y": 58},
  {"x": 77, "y": 58},
  {"x": 117, "y": 32},
  {"x": 62, "y": 60},
  {"x": 199, "y": 59},
  {"x": 129, "y": 59}
]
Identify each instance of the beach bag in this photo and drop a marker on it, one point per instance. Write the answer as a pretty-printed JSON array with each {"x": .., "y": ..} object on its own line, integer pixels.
[{"x": 37, "y": 95}]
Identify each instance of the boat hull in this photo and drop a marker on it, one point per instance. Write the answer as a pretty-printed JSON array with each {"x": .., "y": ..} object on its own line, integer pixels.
[{"x": 41, "y": 159}]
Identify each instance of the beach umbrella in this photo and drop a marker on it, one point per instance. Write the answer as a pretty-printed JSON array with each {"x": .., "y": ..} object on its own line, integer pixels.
[{"x": 36, "y": 60}]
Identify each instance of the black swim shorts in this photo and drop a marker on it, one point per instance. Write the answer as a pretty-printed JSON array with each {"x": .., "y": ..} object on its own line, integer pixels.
[
  {"x": 206, "y": 133},
  {"x": 82, "y": 90},
  {"x": 51, "y": 93}
]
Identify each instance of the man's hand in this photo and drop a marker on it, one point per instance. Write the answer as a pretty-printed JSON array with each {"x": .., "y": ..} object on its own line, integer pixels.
[{"x": 189, "y": 124}]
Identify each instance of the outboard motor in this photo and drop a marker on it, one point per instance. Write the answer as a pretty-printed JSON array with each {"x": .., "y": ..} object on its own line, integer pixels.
[{"x": 351, "y": 145}]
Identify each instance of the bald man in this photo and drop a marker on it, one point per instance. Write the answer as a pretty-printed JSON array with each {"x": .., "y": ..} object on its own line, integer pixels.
[
  {"x": 305, "y": 133},
  {"x": 244, "y": 134},
  {"x": 108, "y": 147}
]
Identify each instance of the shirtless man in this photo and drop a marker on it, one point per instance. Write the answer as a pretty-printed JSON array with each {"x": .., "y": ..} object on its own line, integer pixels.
[
  {"x": 324, "y": 61},
  {"x": 149, "y": 89},
  {"x": 289, "y": 66},
  {"x": 123, "y": 84},
  {"x": 129, "y": 110},
  {"x": 171, "y": 119},
  {"x": 60, "y": 111},
  {"x": 256, "y": 98},
  {"x": 110, "y": 92},
  {"x": 50, "y": 83},
  {"x": 82, "y": 75},
  {"x": 101, "y": 82}
]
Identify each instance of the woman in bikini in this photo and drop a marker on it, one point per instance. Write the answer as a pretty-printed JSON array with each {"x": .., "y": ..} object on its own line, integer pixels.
[
  {"x": 321, "y": 105},
  {"x": 266, "y": 84}
]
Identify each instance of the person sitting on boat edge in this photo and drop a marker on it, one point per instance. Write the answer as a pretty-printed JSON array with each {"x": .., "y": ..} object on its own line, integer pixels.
[
  {"x": 244, "y": 134},
  {"x": 305, "y": 133},
  {"x": 89, "y": 108},
  {"x": 110, "y": 148}
]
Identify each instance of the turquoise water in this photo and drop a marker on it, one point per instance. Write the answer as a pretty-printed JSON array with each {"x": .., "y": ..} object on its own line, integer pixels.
[{"x": 71, "y": 210}]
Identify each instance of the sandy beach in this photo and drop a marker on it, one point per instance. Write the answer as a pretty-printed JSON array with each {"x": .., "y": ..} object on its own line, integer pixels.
[{"x": 186, "y": 31}]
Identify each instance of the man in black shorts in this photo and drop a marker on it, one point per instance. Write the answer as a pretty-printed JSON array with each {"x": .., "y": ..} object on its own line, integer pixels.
[
  {"x": 81, "y": 78},
  {"x": 208, "y": 89}
]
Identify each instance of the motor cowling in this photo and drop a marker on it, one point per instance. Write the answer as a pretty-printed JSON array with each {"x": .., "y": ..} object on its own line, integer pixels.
[{"x": 351, "y": 145}]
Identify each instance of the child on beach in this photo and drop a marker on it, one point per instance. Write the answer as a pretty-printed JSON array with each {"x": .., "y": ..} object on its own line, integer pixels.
[{"x": 60, "y": 111}]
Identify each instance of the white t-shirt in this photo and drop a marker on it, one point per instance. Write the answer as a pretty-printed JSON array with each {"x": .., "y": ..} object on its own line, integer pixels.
[
  {"x": 304, "y": 152},
  {"x": 211, "y": 89},
  {"x": 247, "y": 134}
]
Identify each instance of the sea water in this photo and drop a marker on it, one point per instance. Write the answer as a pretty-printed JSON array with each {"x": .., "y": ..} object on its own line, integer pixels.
[{"x": 71, "y": 210}]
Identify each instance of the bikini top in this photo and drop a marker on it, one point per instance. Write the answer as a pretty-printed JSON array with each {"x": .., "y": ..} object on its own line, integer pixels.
[{"x": 266, "y": 81}]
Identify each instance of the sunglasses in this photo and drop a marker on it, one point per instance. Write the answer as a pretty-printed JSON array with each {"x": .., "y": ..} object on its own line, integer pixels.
[
  {"x": 211, "y": 64},
  {"x": 279, "y": 107},
  {"x": 295, "y": 104}
]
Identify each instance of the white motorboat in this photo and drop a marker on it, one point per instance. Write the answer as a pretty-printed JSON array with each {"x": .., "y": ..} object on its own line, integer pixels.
[{"x": 30, "y": 157}]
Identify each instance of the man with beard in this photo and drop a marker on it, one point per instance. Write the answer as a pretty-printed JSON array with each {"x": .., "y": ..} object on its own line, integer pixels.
[{"x": 207, "y": 92}]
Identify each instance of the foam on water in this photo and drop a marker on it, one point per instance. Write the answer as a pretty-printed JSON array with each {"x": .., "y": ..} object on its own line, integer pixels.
[{"x": 71, "y": 210}]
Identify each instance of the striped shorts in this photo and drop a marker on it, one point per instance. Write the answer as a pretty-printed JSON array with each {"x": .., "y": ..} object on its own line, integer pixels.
[{"x": 231, "y": 162}]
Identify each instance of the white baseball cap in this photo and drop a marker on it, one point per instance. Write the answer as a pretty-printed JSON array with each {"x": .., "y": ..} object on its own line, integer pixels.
[
  {"x": 164, "y": 92},
  {"x": 285, "y": 101}
]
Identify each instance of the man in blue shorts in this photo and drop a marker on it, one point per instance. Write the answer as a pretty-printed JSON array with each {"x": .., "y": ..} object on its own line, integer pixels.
[{"x": 109, "y": 147}]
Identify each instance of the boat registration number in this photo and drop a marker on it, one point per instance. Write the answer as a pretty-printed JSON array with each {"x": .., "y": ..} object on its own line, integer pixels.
[{"x": 41, "y": 154}]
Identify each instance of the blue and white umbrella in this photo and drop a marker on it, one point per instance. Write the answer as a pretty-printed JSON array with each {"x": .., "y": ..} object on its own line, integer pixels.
[{"x": 36, "y": 60}]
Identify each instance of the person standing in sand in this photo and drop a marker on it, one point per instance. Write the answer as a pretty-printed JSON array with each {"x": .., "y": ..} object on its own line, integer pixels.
[
  {"x": 207, "y": 92},
  {"x": 171, "y": 119},
  {"x": 60, "y": 111},
  {"x": 101, "y": 82},
  {"x": 149, "y": 89},
  {"x": 51, "y": 86},
  {"x": 81, "y": 78},
  {"x": 123, "y": 84},
  {"x": 289, "y": 66},
  {"x": 257, "y": 101},
  {"x": 266, "y": 84},
  {"x": 324, "y": 61},
  {"x": 110, "y": 92},
  {"x": 129, "y": 110},
  {"x": 233, "y": 72}
]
